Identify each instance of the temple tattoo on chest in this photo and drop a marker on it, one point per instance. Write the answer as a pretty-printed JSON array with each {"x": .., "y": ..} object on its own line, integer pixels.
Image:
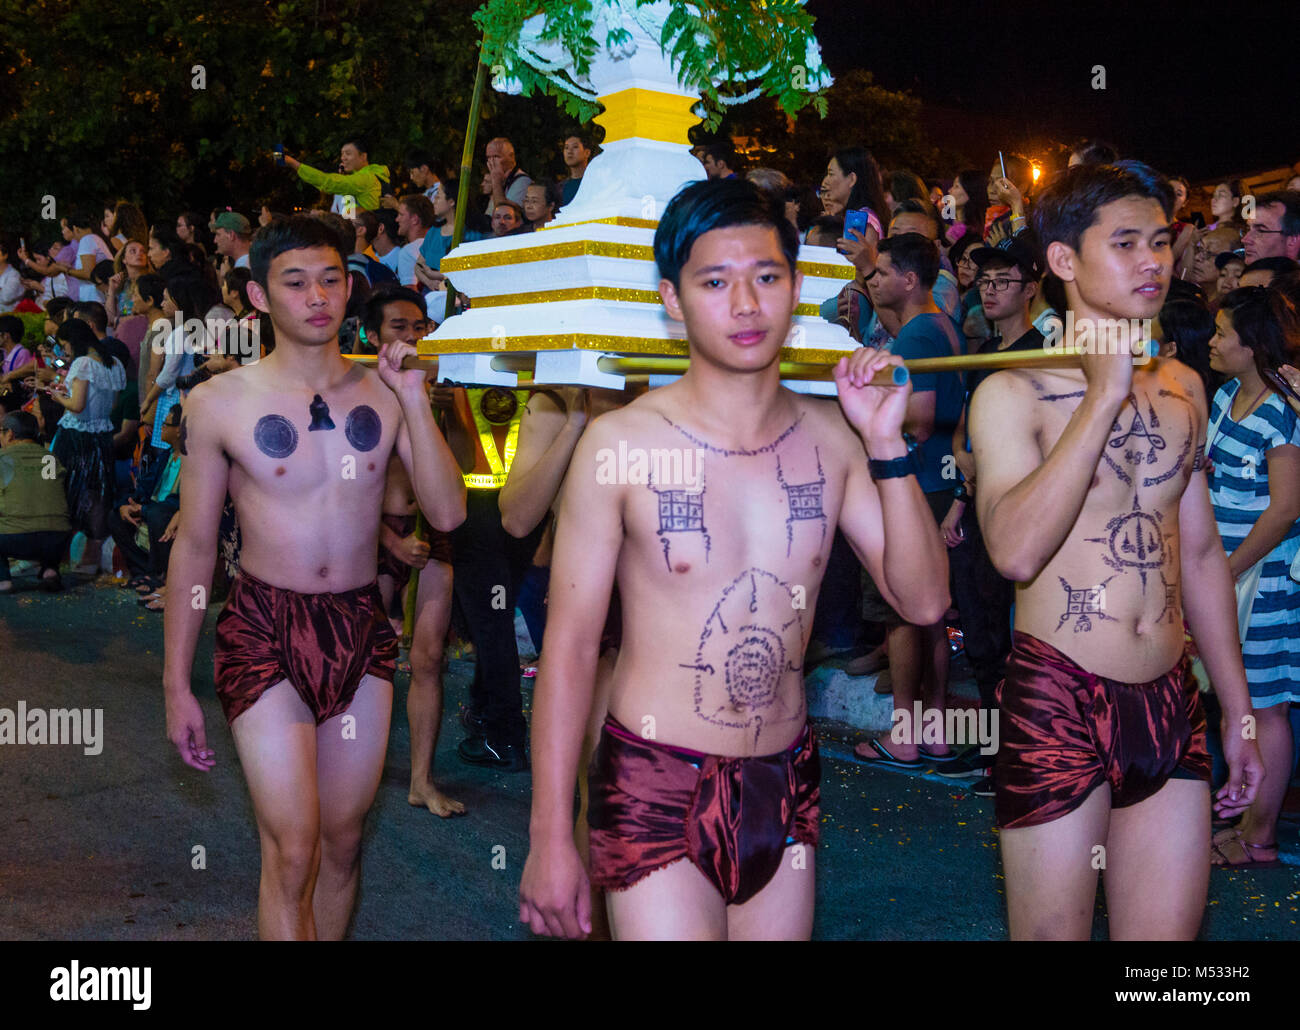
[
  {"x": 275, "y": 436},
  {"x": 805, "y": 500},
  {"x": 1134, "y": 541},
  {"x": 746, "y": 647},
  {"x": 1140, "y": 444},
  {"x": 320, "y": 415},
  {"x": 1085, "y": 605},
  {"x": 681, "y": 511}
]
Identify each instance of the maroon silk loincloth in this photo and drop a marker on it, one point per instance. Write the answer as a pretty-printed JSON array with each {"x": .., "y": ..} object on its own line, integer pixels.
[
  {"x": 404, "y": 526},
  {"x": 1065, "y": 731},
  {"x": 651, "y": 804},
  {"x": 323, "y": 644}
]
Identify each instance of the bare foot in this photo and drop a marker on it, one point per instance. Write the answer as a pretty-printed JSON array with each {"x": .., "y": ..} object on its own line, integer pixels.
[{"x": 435, "y": 801}]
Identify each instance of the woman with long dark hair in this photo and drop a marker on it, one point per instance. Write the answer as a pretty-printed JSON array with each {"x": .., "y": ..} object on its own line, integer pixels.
[
  {"x": 970, "y": 200},
  {"x": 1254, "y": 452},
  {"x": 84, "y": 441}
]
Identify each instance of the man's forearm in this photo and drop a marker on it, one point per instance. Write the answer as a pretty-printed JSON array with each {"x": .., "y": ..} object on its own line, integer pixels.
[
  {"x": 565, "y": 684},
  {"x": 435, "y": 476},
  {"x": 1211, "y": 612},
  {"x": 188, "y": 568},
  {"x": 1032, "y": 519},
  {"x": 526, "y": 499},
  {"x": 914, "y": 562}
]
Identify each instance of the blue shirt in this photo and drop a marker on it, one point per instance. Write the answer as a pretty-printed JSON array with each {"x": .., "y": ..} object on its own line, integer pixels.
[{"x": 931, "y": 336}]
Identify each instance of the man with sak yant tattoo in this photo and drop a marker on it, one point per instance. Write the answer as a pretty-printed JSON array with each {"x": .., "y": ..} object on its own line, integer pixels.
[
  {"x": 304, "y": 654},
  {"x": 1093, "y": 499},
  {"x": 704, "y": 785}
]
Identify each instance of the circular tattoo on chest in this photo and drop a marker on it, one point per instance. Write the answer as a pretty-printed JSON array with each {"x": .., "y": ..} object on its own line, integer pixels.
[
  {"x": 363, "y": 428},
  {"x": 275, "y": 436},
  {"x": 745, "y": 651}
]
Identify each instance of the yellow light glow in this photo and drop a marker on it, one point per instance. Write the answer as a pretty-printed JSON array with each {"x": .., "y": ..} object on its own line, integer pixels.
[{"x": 1037, "y": 172}]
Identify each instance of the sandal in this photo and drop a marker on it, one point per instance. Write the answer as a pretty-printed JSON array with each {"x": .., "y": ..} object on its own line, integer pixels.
[
  {"x": 884, "y": 757},
  {"x": 155, "y": 604},
  {"x": 1247, "y": 849}
]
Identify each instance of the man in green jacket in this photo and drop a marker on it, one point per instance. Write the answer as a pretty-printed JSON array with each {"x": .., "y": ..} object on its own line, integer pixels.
[
  {"x": 33, "y": 509},
  {"x": 356, "y": 188}
]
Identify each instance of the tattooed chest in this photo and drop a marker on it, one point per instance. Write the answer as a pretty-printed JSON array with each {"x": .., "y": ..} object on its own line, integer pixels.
[{"x": 292, "y": 449}]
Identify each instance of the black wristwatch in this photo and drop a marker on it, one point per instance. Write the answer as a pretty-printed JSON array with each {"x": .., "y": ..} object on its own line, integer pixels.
[
  {"x": 893, "y": 468},
  {"x": 960, "y": 493}
]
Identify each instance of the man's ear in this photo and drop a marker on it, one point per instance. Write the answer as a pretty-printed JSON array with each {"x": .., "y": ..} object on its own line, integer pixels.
[
  {"x": 668, "y": 294},
  {"x": 257, "y": 297},
  {"x": 1060, "y": 259}
]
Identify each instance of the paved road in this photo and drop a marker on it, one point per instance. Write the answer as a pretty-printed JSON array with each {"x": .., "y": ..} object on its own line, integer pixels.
[{"x": 100, "y": 847}]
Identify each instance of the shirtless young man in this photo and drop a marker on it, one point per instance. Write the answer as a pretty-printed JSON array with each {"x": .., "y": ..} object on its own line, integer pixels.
[
  {"x": 1093, "y": 500},
  {"x": 718, "y": 567},
  {"x": 304, "y": 654},
  {"x": 395, "y": 314}
]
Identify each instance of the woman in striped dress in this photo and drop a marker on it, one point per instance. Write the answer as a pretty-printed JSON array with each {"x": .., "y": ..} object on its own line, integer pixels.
[{"x": 1254, "y": 450}]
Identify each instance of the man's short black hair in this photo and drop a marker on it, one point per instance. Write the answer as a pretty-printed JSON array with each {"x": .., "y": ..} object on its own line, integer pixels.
[
  {"x": 421, "y": 159},
  {"x": 12, "y": 326},
  {"x": 22, "y": 424},
  {"x": 102, "y": 272},
  {"x": 386, "y": 217},
  {"x": 299, "y": 232},
  {"x": 383, "y": 295},
  {"x": 1290, "y": 201},
  {"x": 82, "y": 220},
  {"x": 56, "y": 308},
  {"x": 717, "y": 204},
  {"x": 723, "y": 151},
  {"x": 150, "y": 287},
  {"x": 1069, "y": 206},
  {"x": 1095, "y": 152},
  {"x": 916, "y": 206},
  {"x": 912, "y": 252},
  {"x": 92, "y": 311},
  {"x": 357, "y": 141}
]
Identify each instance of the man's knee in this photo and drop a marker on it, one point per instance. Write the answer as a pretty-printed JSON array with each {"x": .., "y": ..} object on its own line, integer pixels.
[
  {"x": 426, "y": 657},
  {"x": 341, "y": 843},
  {"x": 291, "y": 860}
]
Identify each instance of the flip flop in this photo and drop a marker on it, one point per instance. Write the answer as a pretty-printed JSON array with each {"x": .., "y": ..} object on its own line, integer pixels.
[
  {"x": 1246, "y": 849},
  {"x": 885, "y": 757},
  {"x": 951, "y": 756}
]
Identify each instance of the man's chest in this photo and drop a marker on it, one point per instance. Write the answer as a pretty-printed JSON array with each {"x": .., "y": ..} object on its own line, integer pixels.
[{"x": 292, "y": 446}]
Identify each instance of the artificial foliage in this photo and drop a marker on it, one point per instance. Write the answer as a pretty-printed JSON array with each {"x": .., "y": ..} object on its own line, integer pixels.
[{"x": 731, "y": 51}]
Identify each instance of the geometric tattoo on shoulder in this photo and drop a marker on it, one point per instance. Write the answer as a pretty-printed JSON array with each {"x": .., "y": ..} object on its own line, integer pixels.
[
  {"x": 320, "y": 415},
  {"x": 745, "y": 651},
  {"x": 1085, "y": 605},
  {"x": 805, "y": 500},
  {"x": 363, "y": 428},
  {"x": 1134, "y": 541},
  {"x": 180, "y": 443},
  {"x": 275, "y": 436},
  {"x": 681, "y": 511}
]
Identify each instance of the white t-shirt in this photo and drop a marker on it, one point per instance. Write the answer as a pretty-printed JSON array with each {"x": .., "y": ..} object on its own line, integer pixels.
[
  {"x": 390, "y": 259},
  {"x": 102, "y": 386},
  {"x": 406, "y": 262},
  {"x": 90, "y": 244},
  {"x": 11, "y": 288}
]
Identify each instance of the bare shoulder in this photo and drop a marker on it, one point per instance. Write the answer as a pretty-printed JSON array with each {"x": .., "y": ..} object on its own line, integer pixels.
[
  {"x": 823, "y": 417},
  {"x": 644, "y": 415},
  {"x": 1182, "y": 381},
  {"x": 1016, "y": 393}
]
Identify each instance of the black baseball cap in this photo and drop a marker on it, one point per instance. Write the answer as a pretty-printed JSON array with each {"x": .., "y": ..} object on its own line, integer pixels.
[{"x": 1014, "y": 250}]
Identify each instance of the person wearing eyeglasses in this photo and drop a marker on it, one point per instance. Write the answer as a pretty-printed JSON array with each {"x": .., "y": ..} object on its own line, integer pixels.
[{"x": 1275, "y": 229}]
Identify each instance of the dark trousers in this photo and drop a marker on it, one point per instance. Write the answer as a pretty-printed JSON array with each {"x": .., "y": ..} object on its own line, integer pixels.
[
  {"x": 488, "y": 565},
  {"x": 983, "y": 600},
  {"x": 46, "y": 548},
  {"x": 532, "y": 601},
  {"x": 139, "y": 562}
]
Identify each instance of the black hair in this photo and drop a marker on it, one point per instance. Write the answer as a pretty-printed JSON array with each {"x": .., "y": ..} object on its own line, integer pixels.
[
  {"x": 912, "y": 252},
  {"x": 551, "y": 192},
  {"x": 867, "y": 190},
  {"x": 386, "y": 217},
  {"x": 237, "y": 280},
  {"x": 192, "y": 295},
  {"x": 904, "y": 185},
  {"x": 710, "y": 204},
  {"x": 150, "y": 287},
  {"x": 1069, "y": 206},
  {"x": 976, "y": 185},
  {"x": 832, "y": 224},
  {"x": 92, "y": 311},
  {"x": 1095, "y": 152},
  {"x": 22, "y": 424},
  {"x": 1290, "y": 201},
  {"x": 723, "y": 151},
  {"x": 298, "y": 232},
  {"x": 920, "y": 206},
  {"x": 357, "y": 141},
  {"x": 1277, "y": 265},
  {"x": 56, "y": 308},
  {"x": 166, "y": 237},
  {"x": 810, "y": 205},
  {"x": 103, "y": 271},
  {"x": 79, "y": 337},
  {"x": 1264, "y": 320},
  {"x": 383, "y": 295},
  {"x": 421, "y": 159},
  {"x": 13, "y": 325},
  {"x": 958, "y": 250},
  {"x": 82, "y": 220},
  {"x": 9, "y": 244},
  {"x": 176, "y": 411},
  {"x": 1189, "y": 324}
]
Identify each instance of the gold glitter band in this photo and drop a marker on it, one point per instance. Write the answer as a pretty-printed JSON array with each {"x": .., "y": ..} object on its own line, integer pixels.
[
  {"x": 599, "y": 248},
  {"x": 634, "y": 223},
  {"x": 605, "y": 344}
]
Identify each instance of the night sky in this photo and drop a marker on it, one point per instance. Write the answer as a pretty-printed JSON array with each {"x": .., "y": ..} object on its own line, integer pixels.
[{"x": 1200, "y": 91}]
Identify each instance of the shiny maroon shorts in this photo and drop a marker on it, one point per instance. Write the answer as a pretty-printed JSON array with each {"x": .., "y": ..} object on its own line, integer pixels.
[
  {"x": 323, "y": 644},
  {"x": 652, "y": 804},
  {"x": 404, "y": 525},
  {"x": 1065, "y": 731}
]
